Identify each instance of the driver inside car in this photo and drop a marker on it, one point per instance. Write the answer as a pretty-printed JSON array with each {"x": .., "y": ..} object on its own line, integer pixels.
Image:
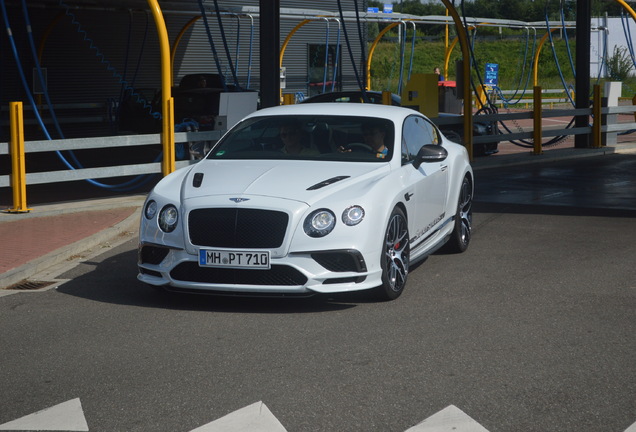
[{"x": 374, "y": 137}]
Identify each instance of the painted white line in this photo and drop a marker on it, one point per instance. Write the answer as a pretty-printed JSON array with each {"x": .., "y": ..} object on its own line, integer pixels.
[
  {"x": 253, "y": 418},
  {"x": 632, "y": 428},
  {"x": 449, "y": 419},
  {"x": 67, "y": 416}
]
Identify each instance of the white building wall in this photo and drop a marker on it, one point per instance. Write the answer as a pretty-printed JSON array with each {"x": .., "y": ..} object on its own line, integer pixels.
[{"x": 618, "y": 33}]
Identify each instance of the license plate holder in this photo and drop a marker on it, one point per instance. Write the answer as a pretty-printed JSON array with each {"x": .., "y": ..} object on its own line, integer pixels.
[{"x": 243, "y": 259}]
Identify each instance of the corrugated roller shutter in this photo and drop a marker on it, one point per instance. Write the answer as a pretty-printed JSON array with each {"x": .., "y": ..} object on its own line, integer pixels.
[{"x": 91, "y": 55}]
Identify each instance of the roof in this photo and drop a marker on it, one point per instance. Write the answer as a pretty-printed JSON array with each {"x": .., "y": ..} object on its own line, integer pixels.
[{"x": 327, "y": 108}]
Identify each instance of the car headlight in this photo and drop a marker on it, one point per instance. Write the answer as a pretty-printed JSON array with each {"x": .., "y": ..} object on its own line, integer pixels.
[
  {"x": 151, "y": 209},
  {"x": 353, "y": 215},
  {"x": 319, "y": 223},
  {"x": 168, "y": 218}
]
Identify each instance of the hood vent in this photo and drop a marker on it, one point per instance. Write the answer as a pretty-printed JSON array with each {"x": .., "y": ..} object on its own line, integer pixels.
[
  {"x": 327, "y": 182},
  {"x": 197, "y": 180}
]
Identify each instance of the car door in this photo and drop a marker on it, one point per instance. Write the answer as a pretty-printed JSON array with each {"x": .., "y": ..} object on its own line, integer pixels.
[{"x": 428, "y": 183}]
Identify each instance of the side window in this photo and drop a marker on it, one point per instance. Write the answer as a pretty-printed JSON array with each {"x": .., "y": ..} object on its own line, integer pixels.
[{"x": 416, "y": 132}]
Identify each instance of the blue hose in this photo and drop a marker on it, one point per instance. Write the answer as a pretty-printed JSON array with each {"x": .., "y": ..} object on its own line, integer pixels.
[
  {"x": 556, "y": 58},
  {"x": 30, "y": 95},
  {"x": 109, "y": 66}
]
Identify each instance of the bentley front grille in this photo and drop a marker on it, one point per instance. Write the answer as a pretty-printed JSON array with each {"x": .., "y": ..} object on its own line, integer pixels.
[{"x": 237, "y": 228}]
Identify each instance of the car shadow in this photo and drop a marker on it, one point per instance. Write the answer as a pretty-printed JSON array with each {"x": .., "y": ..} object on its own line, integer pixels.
[{"x": 114, "y": 280}]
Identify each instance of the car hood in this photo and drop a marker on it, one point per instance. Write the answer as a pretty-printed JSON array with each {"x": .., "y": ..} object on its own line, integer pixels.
[{"x": 304, "y": 181}]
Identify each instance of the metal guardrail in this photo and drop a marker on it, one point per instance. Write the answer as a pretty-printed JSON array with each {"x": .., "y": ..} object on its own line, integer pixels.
[
  {"x": 603, "y": 123},
  {"x": 102, "y": 142},
  {"x": 527, "y": 101},
  {"x": 607, "y": 124}
]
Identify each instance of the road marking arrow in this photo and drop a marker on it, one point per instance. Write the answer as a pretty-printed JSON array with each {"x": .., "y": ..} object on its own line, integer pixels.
[
  {"x": 67, "y": 416},
  {"x": 253, "y": 418},
  {"x": 450, "y": 418},
  {"x": 632, "y": 428}
]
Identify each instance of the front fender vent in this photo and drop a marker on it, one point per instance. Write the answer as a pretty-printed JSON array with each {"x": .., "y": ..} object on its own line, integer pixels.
[{"x": 327, "y": 182}]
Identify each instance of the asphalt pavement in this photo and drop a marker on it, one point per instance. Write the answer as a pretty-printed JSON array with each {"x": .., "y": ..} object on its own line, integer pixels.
[{"x": 57, "y": 233}]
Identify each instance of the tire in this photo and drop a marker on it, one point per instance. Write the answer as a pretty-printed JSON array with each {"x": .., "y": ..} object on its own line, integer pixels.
[
  {"x": 462, "y": 230},
  {"x": 395, "y": 257}
]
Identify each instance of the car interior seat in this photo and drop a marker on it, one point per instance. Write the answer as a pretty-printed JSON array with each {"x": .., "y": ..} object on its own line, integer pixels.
[{"x": 321, "y": 138}]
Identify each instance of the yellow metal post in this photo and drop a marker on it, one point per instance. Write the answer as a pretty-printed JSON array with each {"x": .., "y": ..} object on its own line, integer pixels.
[
  {"x": 175, "y": 45},
  {"x": 386, "y": 98},
  {"x": 598, "y": 118},
  {"x": 535, "y": 62},
  {"x": 168, "y": 164},
  {"x": 167, "y": 103},
  {"x": 289, "y": 99},
  {"x": 372, "y": 50},
  {"x": 18, "y": 165},
  {"x": 536, "y": 121},
  {"x": 468, "y": 100}
]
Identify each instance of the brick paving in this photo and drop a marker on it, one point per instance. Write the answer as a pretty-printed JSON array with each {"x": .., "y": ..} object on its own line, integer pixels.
[{"x": 24, "y": 240}]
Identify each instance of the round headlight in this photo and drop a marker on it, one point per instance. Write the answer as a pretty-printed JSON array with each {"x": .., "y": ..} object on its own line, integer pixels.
[
  {"x": 353, "y": 215},
  {"x": 151, "y": 209},
  {"x": 168, "y": 218},
  {"x": 319, "y": 223}
]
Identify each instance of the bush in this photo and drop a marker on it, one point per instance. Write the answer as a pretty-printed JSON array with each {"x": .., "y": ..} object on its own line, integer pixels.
[{"x": 619, "y": 64}]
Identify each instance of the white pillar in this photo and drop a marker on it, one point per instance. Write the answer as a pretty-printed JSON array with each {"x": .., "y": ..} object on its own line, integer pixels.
[{"x": 612, "y": 92}]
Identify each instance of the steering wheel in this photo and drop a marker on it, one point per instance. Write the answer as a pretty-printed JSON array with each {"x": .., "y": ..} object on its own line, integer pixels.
[{"x": 357, "y": 146}]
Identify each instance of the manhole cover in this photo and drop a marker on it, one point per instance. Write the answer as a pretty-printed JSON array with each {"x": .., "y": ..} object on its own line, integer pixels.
[{"x": 29, "y": 285}]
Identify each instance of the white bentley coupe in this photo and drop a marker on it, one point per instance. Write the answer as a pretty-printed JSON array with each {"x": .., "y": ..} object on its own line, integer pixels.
[{"x": 311, "y": 198}]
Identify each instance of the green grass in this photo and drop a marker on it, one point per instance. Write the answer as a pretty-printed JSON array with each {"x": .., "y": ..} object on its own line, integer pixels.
[{"x": 508, "y": 53}]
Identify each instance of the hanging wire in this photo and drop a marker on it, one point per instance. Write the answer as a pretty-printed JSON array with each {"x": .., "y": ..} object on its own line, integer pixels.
[
  {"x": 555, "y": 56},
  {"x": 567, "y": 41},
  {"x": 336, "y": 59},
  {"x": 129, "y": 185},
  {"x": 360, "y": 81},
  {"x": 225, "y": 44},
  {"x": 324, "y": 77},
  {"x": 402, "y": 26},
  {"x": 109, "y": 67},
  {"x": 212, "y": 46}
]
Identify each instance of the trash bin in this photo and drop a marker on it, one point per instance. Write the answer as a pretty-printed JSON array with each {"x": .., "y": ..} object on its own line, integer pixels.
[{"x": 449, "y": 101}]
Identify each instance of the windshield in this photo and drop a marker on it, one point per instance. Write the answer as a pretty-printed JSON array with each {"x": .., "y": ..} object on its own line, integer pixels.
[{"x": 334, "y": 138}]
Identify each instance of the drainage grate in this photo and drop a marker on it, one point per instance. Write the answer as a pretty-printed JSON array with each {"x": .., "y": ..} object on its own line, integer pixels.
[{"x": 26, "y": 285}]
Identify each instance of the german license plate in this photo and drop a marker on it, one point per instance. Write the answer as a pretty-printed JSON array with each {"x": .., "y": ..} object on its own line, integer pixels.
[{"x": 234, "y": 259}]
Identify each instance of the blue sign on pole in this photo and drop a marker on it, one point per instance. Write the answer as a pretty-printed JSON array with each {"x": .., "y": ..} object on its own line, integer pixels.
[
  {"x": 492, "y": 74},
  {"x": 388, "y": 8}
]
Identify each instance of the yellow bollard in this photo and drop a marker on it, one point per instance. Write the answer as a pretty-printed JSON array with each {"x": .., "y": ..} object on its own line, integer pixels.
[
  {"x": 289, "y": 99},
  {"x": 18, "y": 166},
  {"x": 168, "y": 164},
  {"x": 386, "y": 98}
]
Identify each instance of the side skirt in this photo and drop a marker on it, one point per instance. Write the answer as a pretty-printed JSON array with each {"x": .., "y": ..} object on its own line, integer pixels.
[{"x": 429, "y": 246}]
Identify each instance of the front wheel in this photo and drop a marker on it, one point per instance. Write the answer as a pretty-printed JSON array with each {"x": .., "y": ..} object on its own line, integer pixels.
[
  {"x": 462, "y": 230},
  {"x": 395, "y": 257}
]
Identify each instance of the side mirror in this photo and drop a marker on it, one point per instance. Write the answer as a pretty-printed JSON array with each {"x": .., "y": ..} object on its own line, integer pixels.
[{"x": 430, "y": 153}]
